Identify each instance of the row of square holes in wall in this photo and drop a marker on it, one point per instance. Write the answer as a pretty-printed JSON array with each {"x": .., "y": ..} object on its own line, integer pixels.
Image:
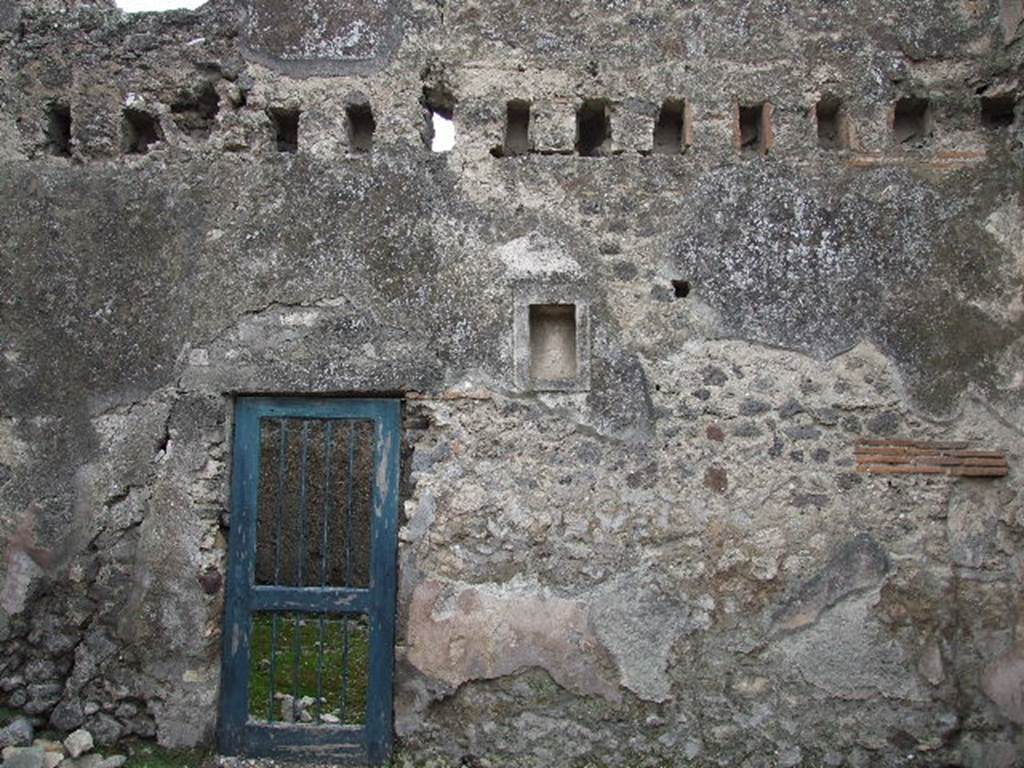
[
  {"x": 141, "y": 129},
  {"x": 912, "y": 123}
]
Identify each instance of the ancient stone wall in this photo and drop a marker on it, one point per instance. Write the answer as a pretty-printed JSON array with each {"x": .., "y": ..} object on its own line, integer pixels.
[{"x": 794, "y": 225}]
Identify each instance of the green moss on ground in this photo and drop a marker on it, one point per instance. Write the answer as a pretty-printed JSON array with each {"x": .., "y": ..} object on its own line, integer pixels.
[
  {"x": 147, "y": 755},
  {"x": 309, "y": 668}
]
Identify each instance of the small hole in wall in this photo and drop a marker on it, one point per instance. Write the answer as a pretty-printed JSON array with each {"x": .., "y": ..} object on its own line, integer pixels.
[
  {"x": 552, "y": 342},
  {"x": 593, "y": 128},
  {"x": 439, "y": 103},
  {"x": 517, "y": 129},
  {"x": 442, "y": 132},
  {"x": 681, "y": 288},
  {"x": 911, "y": 121},
  {"x": 58, "y": 130},
  {"x": 829, "y": 115},
  {"x": 670, "y": 129},
  {"x": 196, "y": 111},
  {"x": 285, "y": 123},
  {"x": 998, "y": 111},
  {"x": 139, "y": 131},
  {"x": 753, "y": 128},
  {"x": 361, "y": 127}
]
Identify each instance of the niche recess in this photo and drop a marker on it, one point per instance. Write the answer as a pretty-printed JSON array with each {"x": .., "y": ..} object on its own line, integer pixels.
[
  {"x": 998, "y": 111},
  {"x": 670, "y": 130},
  {"x": 439, "y": 132},
  {"x": 285, "y": 123},
  {"x": 361, "y": 126},
  {"x": 754, "y": 128},
  {"x": 552, "y": 335},
  {"x": 912, "y": 121},
  {"x": 830, "y": 117},
  {"x": 593, "y": 128},
  {"x": 517, "y": 130},
  {"x": 58, "y": 130},
  {"x": 195, "y": 111},
  {"x": 552, "y": 342},
  {"x": 139, "y": 131}
]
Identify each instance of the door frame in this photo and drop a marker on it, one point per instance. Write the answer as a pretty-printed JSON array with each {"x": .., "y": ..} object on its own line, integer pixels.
[{"x": 237, "y": 735}]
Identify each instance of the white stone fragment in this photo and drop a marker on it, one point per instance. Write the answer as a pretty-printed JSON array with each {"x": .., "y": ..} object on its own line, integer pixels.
[{"x": 78, "y": 743}]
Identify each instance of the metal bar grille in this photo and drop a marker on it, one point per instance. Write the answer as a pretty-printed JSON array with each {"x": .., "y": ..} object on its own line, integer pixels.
[
  {"x": 328, "y": 434},
  {"x": 333, "y": 629},
  {"x": 343, "y": 703},
  {"x": 282, "y": 453}
]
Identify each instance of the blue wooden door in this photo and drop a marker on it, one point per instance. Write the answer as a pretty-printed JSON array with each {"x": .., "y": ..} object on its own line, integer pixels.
[{"x": 310, "y": 607}]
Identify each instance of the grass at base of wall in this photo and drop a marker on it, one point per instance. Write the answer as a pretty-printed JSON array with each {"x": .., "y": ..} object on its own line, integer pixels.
[
  {"x": 7, "y": 716},
  {"x": 142, "y": 754},
  {"x": 296, "y": 638}
]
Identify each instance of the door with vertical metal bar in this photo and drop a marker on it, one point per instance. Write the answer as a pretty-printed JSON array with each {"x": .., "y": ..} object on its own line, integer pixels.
[{"x": 309, "y": 615}]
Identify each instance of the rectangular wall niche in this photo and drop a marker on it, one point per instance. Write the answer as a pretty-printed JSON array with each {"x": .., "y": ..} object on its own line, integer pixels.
[
  {"x": 361, "y": 126},
  {"x": 439, "y": 105},
  {"x": 754, "y": 128},
  {"x": 831, "y": 119},
  {"x": 998, "y": 111},
  {"x": 285, "y": 123},
  {"x": 552, "y": 343},
  {"x": 911, "y": 121},
  {"x": 593, "y": 128},
  {"x": 517, "y": 128},
  {"x": 139, "y": 131},
  {"x": 670, "y": 129},
  {"x": 58, "y": 130}
]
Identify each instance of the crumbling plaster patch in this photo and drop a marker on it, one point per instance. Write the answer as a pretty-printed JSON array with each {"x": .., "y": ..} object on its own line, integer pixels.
[
  {"x": 702, "y": 486},
  {"x": 848, "y": 655},
  {"x": 459, "y": 633},
  {"x": 639, "y": 615},
  {"x": 1004, "y": 684}
]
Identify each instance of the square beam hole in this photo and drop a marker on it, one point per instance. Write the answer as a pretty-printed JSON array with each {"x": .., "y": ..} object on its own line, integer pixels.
[
  {"x": 195, "y": 111},
  {"x": 139, "y": 131},
  {"x": 911, "y": 121},
  {"x": 998, "y": 111},
  {"x": 517, "y": 129},
  {"x": 593, "y": 128},
  {"x": 831, "y": 119},
  {"x": 754, "y": 128},
  {"x": 439, "y": 132},
  {"x": 58, "y": 130},
  {"x": 285, "y": 123},
  {"x": 670, "y": 128},
  {"x": 552, "y": 342},
  {"x": 361, "y": 127}
]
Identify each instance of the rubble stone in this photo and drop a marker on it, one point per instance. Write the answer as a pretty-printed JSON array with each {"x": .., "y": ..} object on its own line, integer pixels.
[
  {"x": 681, "y": 258},
  {"x": 78, "y": 743}
]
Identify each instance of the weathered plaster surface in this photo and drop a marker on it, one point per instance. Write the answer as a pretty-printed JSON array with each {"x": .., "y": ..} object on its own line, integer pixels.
[
  {"x": 475, "y": 633},
  {"x": 675, "y": 564}
]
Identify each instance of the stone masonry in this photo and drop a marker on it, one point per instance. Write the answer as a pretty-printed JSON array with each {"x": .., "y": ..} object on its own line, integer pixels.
[{"x": 784, "y": 226}]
